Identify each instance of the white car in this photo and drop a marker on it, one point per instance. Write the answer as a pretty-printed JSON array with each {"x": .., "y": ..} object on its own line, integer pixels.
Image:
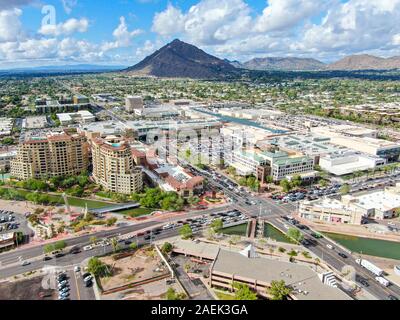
[
  {"x": 87, "y": 248},
  {"x": 329, "y": 246},
  {"x": 77, "y": 269}
]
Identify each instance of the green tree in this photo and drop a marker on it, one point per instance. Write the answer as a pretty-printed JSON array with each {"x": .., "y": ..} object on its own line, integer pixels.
[
  {"x": 217, "y": 225},
  {"x": 193, "y": 201},
  {"x": 295, "y": 234},
  {"x": 60, "y": 245},
  {"x": 97, "y": 268},
  {"x": 186, "y": 232},
  {"x": 297, "y": 181},
  {"x": 279, "y": 290},
  {"x": 172, "y": 295},
  {"x": 133, "y": 246},
  {"x": 243, "y": 292},
  {"x": 48, "y": 248},
  {"x": 286, "y": 185},
  {"x": 345, "y": 189},
  {"x": 167, "y": 248}
]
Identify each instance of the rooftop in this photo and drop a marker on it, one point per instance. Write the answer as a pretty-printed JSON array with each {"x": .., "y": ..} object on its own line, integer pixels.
[{"x": 300, "y": 277}]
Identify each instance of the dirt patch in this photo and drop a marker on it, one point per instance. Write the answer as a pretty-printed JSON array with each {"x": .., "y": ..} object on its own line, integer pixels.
[
  {"x": 26, "y": 290},
  {"x": 143, "y": 265}
]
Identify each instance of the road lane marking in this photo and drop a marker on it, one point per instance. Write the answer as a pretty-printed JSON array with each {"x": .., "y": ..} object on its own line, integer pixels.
[{"x": 77, "y": 287}]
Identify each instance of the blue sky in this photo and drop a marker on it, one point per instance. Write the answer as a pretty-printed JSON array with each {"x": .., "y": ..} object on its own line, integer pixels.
[{"x": 124, "y": 31}]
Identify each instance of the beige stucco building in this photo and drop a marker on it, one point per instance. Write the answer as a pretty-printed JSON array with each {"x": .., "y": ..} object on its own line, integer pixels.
[
  {"x": 114, "y": 167},
  {"x": 57, "y": 154}
]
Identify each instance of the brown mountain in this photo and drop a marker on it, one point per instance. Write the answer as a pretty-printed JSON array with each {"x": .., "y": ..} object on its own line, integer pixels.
[
  {"x": 286, "y": 63},
  {"x": 181, "y": 60},
  {"x": 365, "y": 62}
]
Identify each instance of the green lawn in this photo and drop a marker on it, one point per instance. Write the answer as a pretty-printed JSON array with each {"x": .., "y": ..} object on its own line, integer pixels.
[{"x": 137, "y": 212}]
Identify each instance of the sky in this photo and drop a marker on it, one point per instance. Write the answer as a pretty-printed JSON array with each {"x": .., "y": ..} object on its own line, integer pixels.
[{"x": 123, "y": 32}]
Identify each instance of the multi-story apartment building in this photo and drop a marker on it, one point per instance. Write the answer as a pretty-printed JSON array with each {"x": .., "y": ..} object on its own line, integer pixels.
[
  {"x": 114, "y": 167},
  {"x": 57, "y": 154}
]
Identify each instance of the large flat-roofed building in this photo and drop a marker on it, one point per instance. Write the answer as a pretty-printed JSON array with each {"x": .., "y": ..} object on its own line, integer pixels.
[
  {"x": 133, "y": 103},
  {"x": 180, "y": 127},
  {"x": 37, "y": 122},
  {"x": 258, "y": 273},
  {"x": 361, "y": 141},
  {"x": 310, "y": 145},
  {"x": 6, "y": 125},
  {"x": 82, "y": 116},
  {"x": 114, "y": 167},
  {"x": 343, "y": 163},
  {"x": 345, "y": 130},
  {"x": 381, "y": 204},
  {"x": 57, "y": 154},
  {"x": 166, "y": 111},
  {"x": 278, "y": 164},
  {"x": 328, "y": 210},
  {"x": 62, "y": 105}
]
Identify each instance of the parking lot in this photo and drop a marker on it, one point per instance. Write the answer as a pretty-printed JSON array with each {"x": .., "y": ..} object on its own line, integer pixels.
[{"x": 74, "y": 285}]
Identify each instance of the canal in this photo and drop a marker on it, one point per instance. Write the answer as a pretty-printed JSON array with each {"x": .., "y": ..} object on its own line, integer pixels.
[
  {"x": 372, "y": 247},
  {"x": 245, "y": 122},
  {"x": 269, "y": 232}
]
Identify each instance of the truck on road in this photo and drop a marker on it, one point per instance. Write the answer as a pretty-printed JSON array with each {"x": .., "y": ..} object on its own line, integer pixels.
[
  {"x": 370, "y": 267},
  {"x": 383, "y": 281}
]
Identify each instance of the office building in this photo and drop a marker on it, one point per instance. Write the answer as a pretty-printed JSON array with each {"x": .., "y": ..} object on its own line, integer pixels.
[
  {"x": 114, "y": 167},
  {"x": 57, "y": 154},
  {"x": 133, "y": 103},
  {"x": 82, "y": 116},
  {"x": 362, "y": 140},
  {"x": 347, "y": 162}
]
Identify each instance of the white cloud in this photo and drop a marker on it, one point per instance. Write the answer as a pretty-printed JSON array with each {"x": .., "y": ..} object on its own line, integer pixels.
[
  {"x": 282, "y": 14},
  {"x": 356, "y": 26},
  {"x": 123, "y": 37},
  {"x": 208, "y": 22},
  {"x": 68, "y": 27},
  {"x": 168, "y": 22},
  {"x": 10, "y": 25}
]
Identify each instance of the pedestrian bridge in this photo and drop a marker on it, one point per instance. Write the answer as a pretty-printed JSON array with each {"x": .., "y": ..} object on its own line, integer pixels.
[{"x": 115, "y": 208}]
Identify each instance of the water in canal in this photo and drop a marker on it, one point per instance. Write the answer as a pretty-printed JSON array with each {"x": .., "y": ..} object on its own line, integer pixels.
[
  {"x": 271, "y": 232},
  {"x": 241, "y": 121},
  {"x": 239, "y": 230},
  {"x": 372, "y": 247}
]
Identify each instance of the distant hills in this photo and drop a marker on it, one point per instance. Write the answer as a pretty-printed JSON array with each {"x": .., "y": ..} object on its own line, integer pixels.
[
  {"x": 288, "y": 64},
  {"x": 65, "y": 69},
  {"x": 365, "y": 62},
  {"x": 181, "y": 60}
]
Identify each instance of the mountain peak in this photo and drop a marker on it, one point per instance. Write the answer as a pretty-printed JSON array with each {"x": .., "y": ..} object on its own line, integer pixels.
[{"x": 178, "y": 59}]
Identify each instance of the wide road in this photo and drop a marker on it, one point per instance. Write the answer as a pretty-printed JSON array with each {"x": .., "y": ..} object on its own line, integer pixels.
[
  {"x": 272, "y": 212},
  {"x": 16, "y": 257}
]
